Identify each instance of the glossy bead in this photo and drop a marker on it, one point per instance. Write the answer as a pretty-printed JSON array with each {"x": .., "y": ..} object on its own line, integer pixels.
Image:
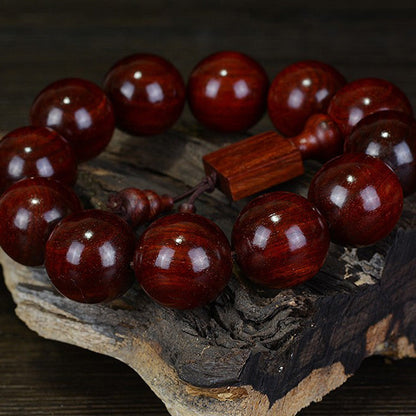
[
  {"x": 29, "y": 211},
  {"x": 147, "y": 92},
  {"x": 320, "y": 139},
  {"x": 390, "y": 136},
  {"x": 88, "y": 256},
  {"x": 227, "y": 91},
  {"x": 183, "y": 261},
  {"x": 280, "y": 240},
  {"x": 359, "y": 196},
  {"x": 137, "y": 207},
  {"x": 36, "y": 151},
  {"x": 300, "y": 90},
  {"x": 363, "y": 97},
  {"x": 79, "y": 111}
]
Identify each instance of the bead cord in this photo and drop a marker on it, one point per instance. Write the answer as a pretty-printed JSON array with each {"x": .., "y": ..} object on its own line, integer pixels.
[{"x": 183, "y": 260}]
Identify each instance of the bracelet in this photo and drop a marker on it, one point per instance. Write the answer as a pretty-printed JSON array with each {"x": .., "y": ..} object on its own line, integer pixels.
[{"x": 183, "y": 260}]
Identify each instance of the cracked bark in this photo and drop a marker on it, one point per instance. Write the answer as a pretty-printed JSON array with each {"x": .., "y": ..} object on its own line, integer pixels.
[{"x": 252, "y": 351}]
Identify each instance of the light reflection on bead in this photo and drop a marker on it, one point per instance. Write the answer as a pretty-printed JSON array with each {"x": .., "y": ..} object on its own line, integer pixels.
[
  {"x": 361, "y": 211},
  {"x": 280, "y": 240},
  {"x": 183, "y": 261}
]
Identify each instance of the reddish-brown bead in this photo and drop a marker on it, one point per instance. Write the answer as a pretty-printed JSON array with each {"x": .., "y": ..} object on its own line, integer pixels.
[
  {"x": 29, "y": 211},
  {"x": 79, "y": 111},
  {"x": 88, "y": 256},
  {"x": 137, "y": 207},
  {"x": 390, "y": 136},
  {"x": 227, "y": 91},
  {"x": 363, "y": 97},
  {"x": 359, "y": 196},
  {"x": 300, "y": 90},
  {"x": 320, "y": 139},
  {"x": 183, "y": 261},
  {"x": 147, "y": 92},
  {"x": 36, "y": 151},
  {"x": 280, "y": 240}
]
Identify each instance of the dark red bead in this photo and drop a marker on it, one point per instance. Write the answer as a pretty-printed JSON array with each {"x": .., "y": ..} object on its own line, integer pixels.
[
  {"x": 183, "y": 261},
  {"x": 363, "y": 97},
  {"x": 359, "y": 196},
  {"x": 300, "y": 90},
  {"x": 88, "y": 256},
  {"x": 390, "y": 136},
  {"x": 147, "y": 92},
  {"x": 29, "y": 211},
  {"x": 79, "y": 111},
  {"x": 36, "y": 151},
  {"x": 280, "y": 240},
  {"x": 227, "y": 91},
  {"x": 320, "y": 139}
]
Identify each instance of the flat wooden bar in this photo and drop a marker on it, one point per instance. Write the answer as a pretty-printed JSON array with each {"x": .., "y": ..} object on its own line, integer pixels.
[{"x": 254, "y": 164}]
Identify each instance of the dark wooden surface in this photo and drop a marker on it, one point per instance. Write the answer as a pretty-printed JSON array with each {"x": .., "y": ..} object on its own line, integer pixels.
[{"x": 42, "y": 41}]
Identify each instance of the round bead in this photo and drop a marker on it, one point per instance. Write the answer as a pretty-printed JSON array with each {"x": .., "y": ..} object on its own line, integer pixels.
[
  {"x": 359, "y": 196},
  {"x": 390, "y": 136},
  {"x": 300, "y": 90},
  {"x": 147, "y": 92},
  {"x": 30, "y": 210},
  {"x": 88, "y": 256},
  {"x": 36, "y": 151},
  {"x": 79, "y": 111},
  {"x": 280, "y": 240},
  {"x": 227, "y": 91},
  {"x": 363, "y": 97},
  {"x": 183, "y": 261}
]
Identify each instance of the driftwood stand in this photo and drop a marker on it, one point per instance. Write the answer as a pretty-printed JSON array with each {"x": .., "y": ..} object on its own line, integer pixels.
[{"x": 252, "y": 352}]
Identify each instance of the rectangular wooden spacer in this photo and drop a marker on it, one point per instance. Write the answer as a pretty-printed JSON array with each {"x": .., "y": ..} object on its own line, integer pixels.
[{"x": 254, "y": 164}]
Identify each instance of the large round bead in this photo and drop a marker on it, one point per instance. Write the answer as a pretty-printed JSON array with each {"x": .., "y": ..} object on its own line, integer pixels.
[
  {"x": 29, "y": 211},
  {"x": 79, "y": 111},
  {"x": 390, "y": 136},
  {"x": 88, "y": 256},
  {"x": 280, "y": 240},
  {"x": 227, "y": 91},
  {"x": 36, "y": 151},
  {"x": 363, "y": 97},
  {"x": 299, "y": 91},
  {"x": 359, "y": 196},
  {"x": 183, "y": 261},
  {"x": 147, "y": 93}
]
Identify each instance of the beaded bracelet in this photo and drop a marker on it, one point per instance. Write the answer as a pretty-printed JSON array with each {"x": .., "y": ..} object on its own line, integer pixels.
[{"x": 184, "y": 260}]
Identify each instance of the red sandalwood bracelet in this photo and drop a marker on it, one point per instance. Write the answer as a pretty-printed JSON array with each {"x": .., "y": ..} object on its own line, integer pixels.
[{"x": 183, "y": 260}]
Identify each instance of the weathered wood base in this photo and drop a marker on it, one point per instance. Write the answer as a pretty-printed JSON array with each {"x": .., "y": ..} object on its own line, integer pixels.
[
  {"x": 50, "y": 320},
  {"x": 252, "y": 352}
]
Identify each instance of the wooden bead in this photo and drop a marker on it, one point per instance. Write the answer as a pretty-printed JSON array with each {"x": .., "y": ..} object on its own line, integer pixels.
[
  {"x": 254, "y": 164},
  {"x": 36, "y": 151},
  {"x": 300, "y": 90},
  {"x": 390, "y": 136},
  {"x": 147, "y": 92},
  {"x": 137, "y": 207},
  {"x": 227, "y": 91},
  {"x": 359, "y": 196},
  {"x": 183, "y": 261},
  {"x": 30, "y": 210},
  {"x": 320, "y": 139},
  {"x": 157, "y": 203},
  {"x": 79, "y": 111},
  {"x": 363, "y": 97},
  {"x": 88, "y": 256},
  {"x": 280, "y": 240}
]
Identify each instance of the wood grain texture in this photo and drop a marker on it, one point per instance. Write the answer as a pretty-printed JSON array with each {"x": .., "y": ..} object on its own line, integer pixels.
[
  {"x": 41, "y": 42},
  {"x": 312, "y": 337},
  {"x": 254, "y": 164}
]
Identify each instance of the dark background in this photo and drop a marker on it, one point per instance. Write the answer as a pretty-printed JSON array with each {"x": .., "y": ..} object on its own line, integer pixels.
[{"x": 41, "y": 41}]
